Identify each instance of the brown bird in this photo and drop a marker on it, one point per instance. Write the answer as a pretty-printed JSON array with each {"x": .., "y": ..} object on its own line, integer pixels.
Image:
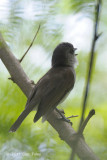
[{"x": 53, "y": 87}]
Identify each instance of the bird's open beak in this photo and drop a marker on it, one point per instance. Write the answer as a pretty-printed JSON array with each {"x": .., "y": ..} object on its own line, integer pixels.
[{"x": 75, "y": 50}]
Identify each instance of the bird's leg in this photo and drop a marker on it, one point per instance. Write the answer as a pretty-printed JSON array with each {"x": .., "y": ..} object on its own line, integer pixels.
[{"x": 62, "y": 116}]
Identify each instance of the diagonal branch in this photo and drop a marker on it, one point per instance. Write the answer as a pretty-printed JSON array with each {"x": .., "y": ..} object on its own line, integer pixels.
[
  {"x": 64, "y": 129},
  {"x": 30, "y": 45}
]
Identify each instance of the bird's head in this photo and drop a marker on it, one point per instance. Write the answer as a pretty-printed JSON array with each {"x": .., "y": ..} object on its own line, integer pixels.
[{"x": 64, "y": 55}]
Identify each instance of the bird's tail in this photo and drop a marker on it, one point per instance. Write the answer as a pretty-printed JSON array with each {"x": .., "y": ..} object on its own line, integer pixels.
[
  {"x": 20, "y": 119},
  {"x": 37, "y": 116}
]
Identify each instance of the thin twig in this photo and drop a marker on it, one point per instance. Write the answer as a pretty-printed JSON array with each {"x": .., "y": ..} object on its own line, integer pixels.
[
  {"x": 72, "y": 116},
  {"x": 91, "y": 113},
  {"x": 79, "y": 134},
  {"x": 95, "y": 38},
  {"x": 10, "y": 78},
  {"x": 30, "y": 44}
]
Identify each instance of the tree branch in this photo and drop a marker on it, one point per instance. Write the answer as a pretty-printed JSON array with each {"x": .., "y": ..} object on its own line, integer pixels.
[
  {"x": 14, "y": 67},
  {"x": 91, "y": 113},
  {"x": 30, "y": 45},
  {"x": 64, "y": 129},
  {"x": 95, "y": 38}
]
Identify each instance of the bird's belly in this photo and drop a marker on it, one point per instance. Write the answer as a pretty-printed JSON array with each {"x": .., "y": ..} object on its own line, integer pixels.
[{"x": 66, "y": 95}]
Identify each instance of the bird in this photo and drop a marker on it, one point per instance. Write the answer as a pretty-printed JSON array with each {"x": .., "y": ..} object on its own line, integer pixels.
[{"x": 53, "y": 87}]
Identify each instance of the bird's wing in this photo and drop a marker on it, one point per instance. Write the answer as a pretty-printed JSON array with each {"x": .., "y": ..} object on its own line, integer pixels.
[
  {"x": 31, "y": 95},
  {"x": 58, "y": 82}
]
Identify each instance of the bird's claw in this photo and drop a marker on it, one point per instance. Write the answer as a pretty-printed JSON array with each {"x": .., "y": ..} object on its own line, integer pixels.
[{"x": 64, "y": 119}]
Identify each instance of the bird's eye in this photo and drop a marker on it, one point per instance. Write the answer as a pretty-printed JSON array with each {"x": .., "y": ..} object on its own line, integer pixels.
[{"x": 71, "y": 51}]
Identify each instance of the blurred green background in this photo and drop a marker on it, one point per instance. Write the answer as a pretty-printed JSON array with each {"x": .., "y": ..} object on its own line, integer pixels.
[{"x": 63, "y": 20}]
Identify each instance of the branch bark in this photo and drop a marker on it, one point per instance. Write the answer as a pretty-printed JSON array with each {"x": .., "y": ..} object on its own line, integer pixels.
[{"x": 64, "y": 129}]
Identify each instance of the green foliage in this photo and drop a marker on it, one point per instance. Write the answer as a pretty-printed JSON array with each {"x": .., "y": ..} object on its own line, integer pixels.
[
  {"x": 77, "y": 6},
  {"x": 40, "y": 141}
]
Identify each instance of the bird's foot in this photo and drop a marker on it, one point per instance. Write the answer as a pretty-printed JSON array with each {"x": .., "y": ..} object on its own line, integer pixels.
[
  {"x": 72, "y": 116},
  {"x": 65, "y": 119},
  {"x": 62, "y": 116}
]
